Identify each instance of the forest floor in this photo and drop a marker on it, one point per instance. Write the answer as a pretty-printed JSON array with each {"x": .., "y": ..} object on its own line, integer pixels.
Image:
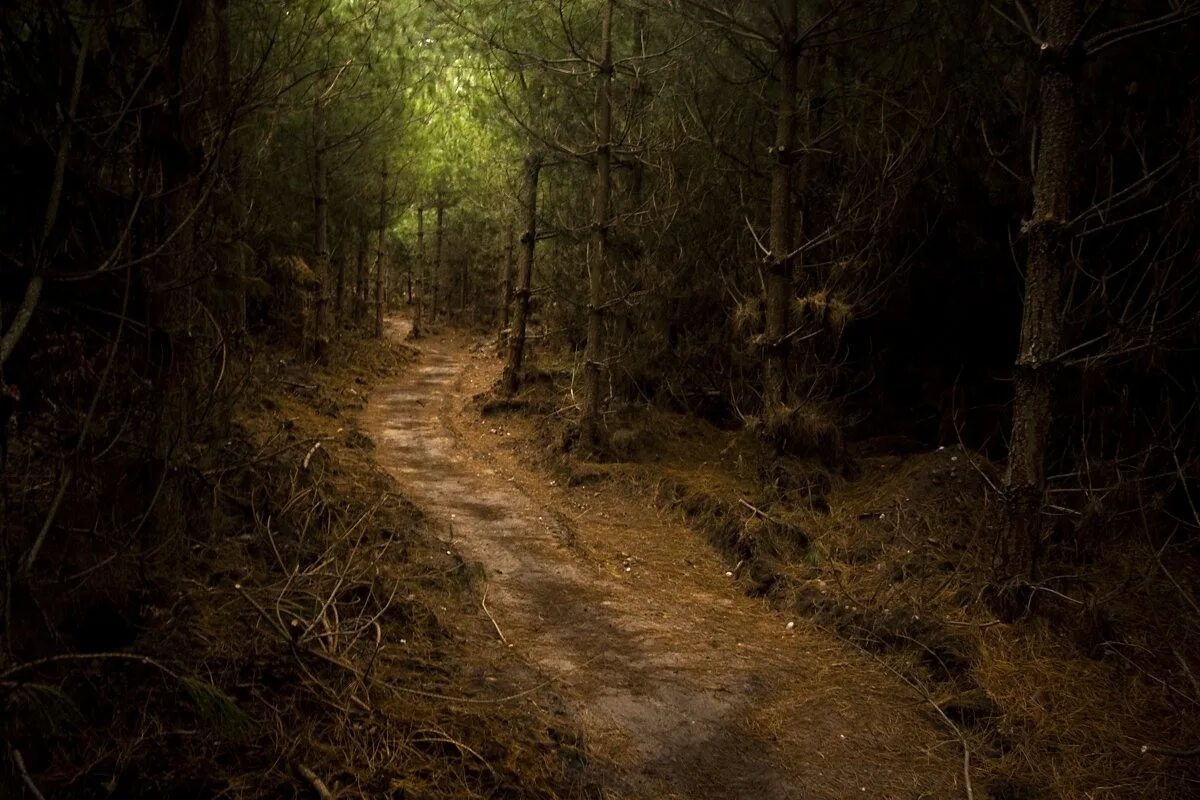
[{"x": 682, "y": 685}]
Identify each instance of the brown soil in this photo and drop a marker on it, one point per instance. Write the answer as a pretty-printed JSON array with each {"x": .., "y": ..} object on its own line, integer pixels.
[
  {"x": 1092, "y": 696},
  {"x": 680, "y": 682},
  {"x": 300, "y": 628}
]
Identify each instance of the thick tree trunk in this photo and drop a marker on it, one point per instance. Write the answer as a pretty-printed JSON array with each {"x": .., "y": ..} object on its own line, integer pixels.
[
  {"x": 171, "y": 277},
  {"x": 321, "y": 207},
  {"x": 598, "y": 266},
  {"x": 381, "y": 253},
  {"x": 511, "y": 380},
  {"x": 1047, "y": 270},
  {"x": 782, "y": 238}
]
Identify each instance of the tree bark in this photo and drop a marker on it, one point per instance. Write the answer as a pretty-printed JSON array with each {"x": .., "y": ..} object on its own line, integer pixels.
[
  {"x": 462, "y": 288},
  {"x": 807, "y": 359},
  {"x": 1048, "y": 266},
  {"x": 360, "y": 277},
  {"x": 321, "y": 208},
  {"x": 506, "y": 288},
  {"x": 511, "y": 380},
  {"x": 437, "y": 255},
  {"x": 782, "y": 239},
  {"x": 422, "y": 277},
  {"x": 381, "y": 253},
  {"x": 339, "y": 271},
  {"x": 598, "y": 266},
  {"x": 33, "y": 289}
]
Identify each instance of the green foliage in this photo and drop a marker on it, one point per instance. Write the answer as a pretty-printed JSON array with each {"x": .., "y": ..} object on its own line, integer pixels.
[
  {"x": 45, "y": 710},
  {"x": 216, "y": 710}
]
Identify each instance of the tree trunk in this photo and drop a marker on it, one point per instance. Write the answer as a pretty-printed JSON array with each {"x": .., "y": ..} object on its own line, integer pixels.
[
  {"x": 33, "y": 289},
  {"x": 437, "y": 255},
  {"x": 598, "y": 265},
  {"x": 807, "y": 359},
  {"x": 462, "y": 288},
  {"x": 232, "y": 208},
  {"x": 321, "y": 207},
  {"x": 506, "y": 288},
  {"x": 360, "y": 277},
  {"x": 381, "y": 253},
  {"x": 422, "y": 278},
  {"x": 339, "y": 272},
  {"x": 782, "y": 238},
  {"x": 511, "y": 380},
  {"x": 1047, "y": 269}
]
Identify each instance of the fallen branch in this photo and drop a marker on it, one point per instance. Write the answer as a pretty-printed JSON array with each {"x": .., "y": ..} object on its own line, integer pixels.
[
  {"x": 758, "y": 512},
  {"x": 19, "y": 763},
  {"x": 317, "y": 784},
  {"x": 7, "y": 674}
]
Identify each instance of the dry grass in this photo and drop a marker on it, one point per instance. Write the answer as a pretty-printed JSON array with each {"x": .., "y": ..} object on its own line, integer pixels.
[
  {"x": 1094, "y": 698},
  {"x": 314, "y": 636},
  {"x": 803, "y": 430},
  {"x": 897, "y": 565}
]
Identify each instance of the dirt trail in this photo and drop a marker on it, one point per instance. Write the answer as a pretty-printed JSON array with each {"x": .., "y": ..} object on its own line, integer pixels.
[{"x": 688, "y": 687}]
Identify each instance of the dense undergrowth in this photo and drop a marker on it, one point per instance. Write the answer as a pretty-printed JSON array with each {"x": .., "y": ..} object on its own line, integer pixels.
[
  {"x": 1091, "y": 693},
  {"x": 301, "y": 632}
]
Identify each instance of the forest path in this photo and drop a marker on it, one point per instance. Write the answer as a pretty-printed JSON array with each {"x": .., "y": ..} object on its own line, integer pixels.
[{"x": 687, "y": 687}]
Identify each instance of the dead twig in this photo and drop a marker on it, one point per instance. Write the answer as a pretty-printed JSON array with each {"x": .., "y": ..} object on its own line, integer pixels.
[
  {"x": 26, "y": 666},
  {"x": 309, "y": 456},
  {"x": 315, "y": 782},
  {"x": 483, "y": 602},
  {"x": 758, "y": 512},
  {"x": 19, "y": 763},
  {"x": 371, "y": 680}
]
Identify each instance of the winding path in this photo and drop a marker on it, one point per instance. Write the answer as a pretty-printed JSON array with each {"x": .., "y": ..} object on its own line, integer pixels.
[{"x": 685, "y": 686}]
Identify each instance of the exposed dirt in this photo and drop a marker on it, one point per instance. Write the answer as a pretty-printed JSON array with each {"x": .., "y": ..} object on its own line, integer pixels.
[
  {"x": 891, "y": 552},
  {"x": 685, "y": 685}
]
